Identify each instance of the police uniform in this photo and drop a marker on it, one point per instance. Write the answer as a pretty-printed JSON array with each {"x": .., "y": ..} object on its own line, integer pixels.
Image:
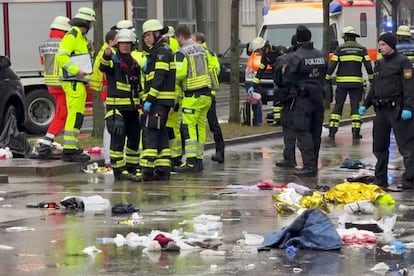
[
  {"x": 348, "y": 57},
  {"x": 305, "y": 72},
  {"x": 391, "y": 94},
  {"x": 285, "y": 97}
]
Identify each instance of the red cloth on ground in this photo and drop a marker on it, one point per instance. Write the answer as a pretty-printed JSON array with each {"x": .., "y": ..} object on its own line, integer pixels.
[{"x": 162, "y": 240}]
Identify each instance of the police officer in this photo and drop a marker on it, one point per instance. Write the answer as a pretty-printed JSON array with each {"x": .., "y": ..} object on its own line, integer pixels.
[
  {"x": 392, "y": 96},
  {"x": 193, "y": 74},
  {"x": 305, "y": 73},
  {"x": 405, "y": 44},
  {"x": 214, "y": 68},
  {"x": 48, "y": 49},
  {"x": 349, "y": 58},
  {"x": 74, "y": 82},
  {"x": 269, "y": 54},
  {"x": 159, "y": 98},
  {"x": 122, "y": 101},
  {"x": 285, "y": 97}
]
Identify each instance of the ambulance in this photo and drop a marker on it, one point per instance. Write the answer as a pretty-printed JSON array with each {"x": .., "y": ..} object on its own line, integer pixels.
[
  {"x": 24, "y": 25},
  {"x": 280, "y": 20}
]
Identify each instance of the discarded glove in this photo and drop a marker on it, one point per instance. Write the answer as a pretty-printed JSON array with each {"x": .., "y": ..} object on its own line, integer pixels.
[{"x": 362, "y": 109}]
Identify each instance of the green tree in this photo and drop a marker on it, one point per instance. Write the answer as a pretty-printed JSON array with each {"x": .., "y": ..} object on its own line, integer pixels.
[
  {"x": 234, "y": 115},
  {"x": 98, "y": 110}
]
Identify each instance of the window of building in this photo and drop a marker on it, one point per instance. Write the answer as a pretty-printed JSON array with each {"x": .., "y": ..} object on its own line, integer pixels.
[{"x": 247, "y": 12}]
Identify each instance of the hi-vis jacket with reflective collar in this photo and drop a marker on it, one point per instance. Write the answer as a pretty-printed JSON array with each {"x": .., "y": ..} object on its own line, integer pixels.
[
  {"x": 123, "y": 75},
  {"x": 47, "y": 51},
  {"x": 349, "y": 58},
  {"x": 160, "y": 75},
  {"x": 192, "y": 67},
  {"x": 73, "y": 43},
  {"x": 213, "y": 67}
]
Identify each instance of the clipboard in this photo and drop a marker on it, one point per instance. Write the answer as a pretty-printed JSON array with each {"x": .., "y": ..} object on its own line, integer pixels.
[{"x": 84, "y": 62}]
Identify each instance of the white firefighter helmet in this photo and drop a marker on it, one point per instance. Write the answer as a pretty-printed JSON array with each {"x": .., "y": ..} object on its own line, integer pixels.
[
  {"x": 85, "y": 13},
  {"x": 61, "y": 23},
  {"x": 125, "y": 24},
  {"x": 125, "y": 35},
  {"x": 257, "y": 44},
  {"x": 153, "y": 25},
  {"x": 350, "y": 30},
  {"x": 170, "y": 32},
  {"x": 404, "y": 30}
]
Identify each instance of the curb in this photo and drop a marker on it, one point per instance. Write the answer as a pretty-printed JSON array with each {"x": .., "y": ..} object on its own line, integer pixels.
[{"x": 273, "y": 134}]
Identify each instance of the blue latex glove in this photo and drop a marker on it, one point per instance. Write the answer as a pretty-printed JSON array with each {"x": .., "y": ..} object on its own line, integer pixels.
[
  {"x": 250, "y": 90},
  {"x": 406, "y": 114},
  {"x": 144, "y": 68},
  {"x": 362, "y": 110},
  {"x": 147, "y": 106}
]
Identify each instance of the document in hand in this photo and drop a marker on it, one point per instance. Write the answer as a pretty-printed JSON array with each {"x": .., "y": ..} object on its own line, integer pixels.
[{"x": 84, "y": 62}]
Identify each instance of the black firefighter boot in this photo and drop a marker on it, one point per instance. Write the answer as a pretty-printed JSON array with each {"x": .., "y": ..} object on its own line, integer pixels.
[
  {"x": 219, "y": 156},
  {"x": 356, "y": 133},
  {"x": 332, "y": 132}
]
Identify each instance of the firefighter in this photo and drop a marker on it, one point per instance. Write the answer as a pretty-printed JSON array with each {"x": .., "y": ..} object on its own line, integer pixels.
[
  {"x": 193, "y": 74},
  {"x": 305, "y": 72},
  {"x": 74, "y": 82},
  {"x": 269, "y": 54},
  {"x": 405, "y": 44},
  {"x": 349, "y": 58},
  {"x": 159, "y": 98},
  {"x": 214, "y": 69},
  {"x": 285, "y": 96},
  {"x": 122, "y": 102},
  {"x": 393, "y": 101},
  {"x": 172, "y": 41},
  {"x": 48, "y": 49}
]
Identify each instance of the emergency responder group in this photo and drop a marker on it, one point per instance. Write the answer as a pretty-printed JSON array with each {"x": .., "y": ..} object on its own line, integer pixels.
[{"x": 145, "y": 93}]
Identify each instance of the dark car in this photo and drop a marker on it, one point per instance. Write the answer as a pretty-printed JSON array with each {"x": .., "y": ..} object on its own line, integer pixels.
[
  {"x": 225, "y": 64},
  {"x": 12, "y": 108}
]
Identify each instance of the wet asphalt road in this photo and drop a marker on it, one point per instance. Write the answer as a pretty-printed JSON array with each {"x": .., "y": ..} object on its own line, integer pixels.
[{"x": 54, "y": 243}]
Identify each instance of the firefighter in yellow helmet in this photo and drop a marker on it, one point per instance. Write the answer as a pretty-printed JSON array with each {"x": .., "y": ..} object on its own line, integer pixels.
[
  {"x": 159, "y": 97},
  {"x": 193, "y": 74},
  {"x": 349, "y": 58},
  {"x": 405, "y": 44},
  {"x": 74, "y": 81},
  {"x": 214, "y": 69},
  {"x": 122, "y": 102}
]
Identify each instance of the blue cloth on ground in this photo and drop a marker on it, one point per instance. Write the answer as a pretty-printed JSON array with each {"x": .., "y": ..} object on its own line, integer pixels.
[{"x": 311, "y": 230}]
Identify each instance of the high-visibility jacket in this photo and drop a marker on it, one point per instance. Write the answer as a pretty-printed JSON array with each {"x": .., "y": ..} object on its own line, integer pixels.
[
  {"x": 160, "y": 75},
  {"x": 213, "y": 68},
  {"x": 172, "y": 41},
  {"x": 97, "y": 78},
  {"x": 349, "y": 58},
  {"x": 192, "y": 67},
  {"x": 73, "y": 43},
  {"x": 123, "y": 75},
  {"x": 47, "y": 51}
]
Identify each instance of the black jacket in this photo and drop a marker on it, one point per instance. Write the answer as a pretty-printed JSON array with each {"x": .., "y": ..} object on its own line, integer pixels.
[{"x": 393, "y": 80}]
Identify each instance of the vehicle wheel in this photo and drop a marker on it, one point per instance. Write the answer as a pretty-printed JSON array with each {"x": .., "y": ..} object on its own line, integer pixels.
[{"x": 40, "y": 106}]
